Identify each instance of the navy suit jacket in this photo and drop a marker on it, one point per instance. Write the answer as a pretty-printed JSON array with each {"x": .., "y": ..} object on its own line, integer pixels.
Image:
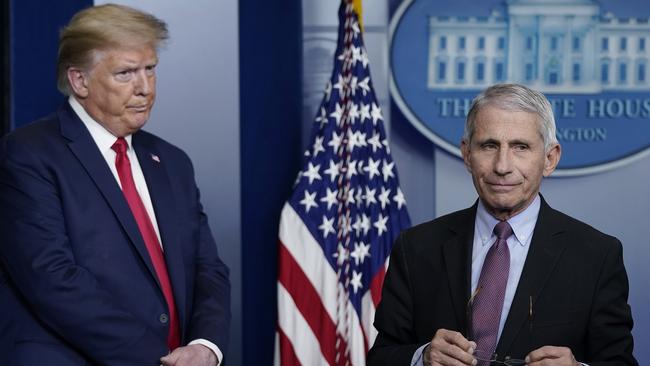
[
  {"x": 77, "y": 286},
  {"x": 572, "y": 291}
]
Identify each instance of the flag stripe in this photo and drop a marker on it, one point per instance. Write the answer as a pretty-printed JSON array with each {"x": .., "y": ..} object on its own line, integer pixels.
[
  {"x": 376, "y": 285},
  {"x": 357, "y": 339},
  {"x": 290, "y": 321},
  {"x": 368, "y": 317},
  {"x": 289, "y": 357},
  {"x": 308, "y": 302},
  {"x": 298, "y": 241},
  {"x": 305, "y": 295}
]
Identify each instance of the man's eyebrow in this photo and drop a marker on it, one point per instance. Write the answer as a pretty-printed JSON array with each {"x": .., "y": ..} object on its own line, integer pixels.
[
  {"x": 519, "y": 142},
  {"x": 489, "y": 140}
]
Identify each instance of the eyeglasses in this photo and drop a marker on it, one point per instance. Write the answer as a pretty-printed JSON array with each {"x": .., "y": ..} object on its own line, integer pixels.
[{"x": 492, "y": 358}]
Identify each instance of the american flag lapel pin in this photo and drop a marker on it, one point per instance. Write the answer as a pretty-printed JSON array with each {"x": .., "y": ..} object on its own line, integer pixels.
[{"x": 155, "y": 158}]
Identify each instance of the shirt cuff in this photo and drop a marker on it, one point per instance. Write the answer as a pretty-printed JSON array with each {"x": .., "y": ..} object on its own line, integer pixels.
[
  {"x": 213, "y": 347},
  {"x": 417, "y": 359}
]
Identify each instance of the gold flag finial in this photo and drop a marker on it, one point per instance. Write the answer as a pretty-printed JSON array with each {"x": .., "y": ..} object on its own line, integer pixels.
[{"x": 358, "y": 9}]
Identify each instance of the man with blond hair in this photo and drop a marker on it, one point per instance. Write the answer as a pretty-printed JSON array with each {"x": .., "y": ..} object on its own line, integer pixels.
[{"x": 106, "y": 257}]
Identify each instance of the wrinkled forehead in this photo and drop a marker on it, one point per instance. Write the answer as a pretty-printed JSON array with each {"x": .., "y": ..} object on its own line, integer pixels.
[
  {"x": 493, "y": 122},
  {"x": 143, "y": 54}
]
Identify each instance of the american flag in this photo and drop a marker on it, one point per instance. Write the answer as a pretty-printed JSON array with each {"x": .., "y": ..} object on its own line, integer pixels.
[{"x": 337, "y": 229}]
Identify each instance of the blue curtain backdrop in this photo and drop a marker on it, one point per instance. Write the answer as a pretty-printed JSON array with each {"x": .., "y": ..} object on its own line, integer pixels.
[
  {"x": 270, "y": 38},
  {"x": 4, "y": 68},
  {"x": 34, "y": 34}
]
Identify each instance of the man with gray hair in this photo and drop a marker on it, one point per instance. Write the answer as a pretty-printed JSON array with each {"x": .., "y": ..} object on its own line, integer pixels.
[
  {"x": 106, "y": 257},
  {"x": 510, "y": 280}
]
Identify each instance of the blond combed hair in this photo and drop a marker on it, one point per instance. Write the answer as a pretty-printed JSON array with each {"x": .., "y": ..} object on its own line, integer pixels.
[{"x": 104, "y": 27}]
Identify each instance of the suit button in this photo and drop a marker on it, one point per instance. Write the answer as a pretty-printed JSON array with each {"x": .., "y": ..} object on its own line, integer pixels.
[{"x": 163, "y": 318}]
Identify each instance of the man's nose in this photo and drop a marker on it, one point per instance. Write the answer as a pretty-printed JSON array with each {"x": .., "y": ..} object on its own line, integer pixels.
[
  {"x": 143, "y": 83},
  {"x": 503, "y": 162}
]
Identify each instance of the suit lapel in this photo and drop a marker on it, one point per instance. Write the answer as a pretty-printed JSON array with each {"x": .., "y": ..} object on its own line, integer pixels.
[
  {"x": 84, "y": 148},
  {"x": 160, "y": 190},
  {"x": 458, "y": 258},
  {"x": 546, "y": 248}
]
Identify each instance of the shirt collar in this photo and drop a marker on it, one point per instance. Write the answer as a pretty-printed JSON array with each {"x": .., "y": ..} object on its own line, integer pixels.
[
  {"x": 523, "y": 224},
  {"x": 102, "y": 137}
]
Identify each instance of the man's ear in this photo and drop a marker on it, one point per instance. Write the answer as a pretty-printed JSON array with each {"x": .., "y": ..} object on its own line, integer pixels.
[
  {"x": 552, "y": 158},
  {"x": 464, "y": 150},
  {"x": 78, "y": 81}
]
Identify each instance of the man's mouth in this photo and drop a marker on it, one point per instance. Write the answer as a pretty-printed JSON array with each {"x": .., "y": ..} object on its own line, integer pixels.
[
  {"x": 502, "y": 187},
  {"x": 139, "y": 108}
]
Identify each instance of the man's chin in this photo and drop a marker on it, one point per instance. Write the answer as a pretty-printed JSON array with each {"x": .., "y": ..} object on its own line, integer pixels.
[
  {"x": 501, "y": 209},
  {"x": 138, "y": 121}
]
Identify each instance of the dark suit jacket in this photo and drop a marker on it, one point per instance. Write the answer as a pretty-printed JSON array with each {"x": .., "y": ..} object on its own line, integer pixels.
[
  {"x": 573, "y": 274},
  {"x": 77, "y": 286}
]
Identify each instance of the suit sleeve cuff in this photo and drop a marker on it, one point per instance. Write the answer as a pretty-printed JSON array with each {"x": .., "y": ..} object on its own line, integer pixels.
[
  {"x": 213, "y": 347},
  {"x": 418, "y": 359}
]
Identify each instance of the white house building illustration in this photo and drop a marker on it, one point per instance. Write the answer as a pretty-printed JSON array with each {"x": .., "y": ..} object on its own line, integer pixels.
[{"x": 556, "y": 46}]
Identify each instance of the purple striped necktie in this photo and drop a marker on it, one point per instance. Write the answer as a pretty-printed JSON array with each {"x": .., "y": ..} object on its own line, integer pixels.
[{"x": 488, "y": 300}]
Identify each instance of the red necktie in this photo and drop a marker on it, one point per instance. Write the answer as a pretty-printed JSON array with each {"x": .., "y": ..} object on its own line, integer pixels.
[
  {"x": 148, "y": 233},
  {"x": 488, "y": 303}
]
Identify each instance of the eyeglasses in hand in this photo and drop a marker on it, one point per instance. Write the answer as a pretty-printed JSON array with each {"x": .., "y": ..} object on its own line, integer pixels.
[{"x": 492, "y": 358}]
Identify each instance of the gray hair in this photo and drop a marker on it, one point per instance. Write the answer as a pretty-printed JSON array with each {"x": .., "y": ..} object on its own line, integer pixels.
[
  {"x": 100, "y": 28},
  {"x": 514, "y": 97}
]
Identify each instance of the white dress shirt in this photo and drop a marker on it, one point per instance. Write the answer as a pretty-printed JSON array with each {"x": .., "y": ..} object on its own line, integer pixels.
[{"x": 104, "y": 141}]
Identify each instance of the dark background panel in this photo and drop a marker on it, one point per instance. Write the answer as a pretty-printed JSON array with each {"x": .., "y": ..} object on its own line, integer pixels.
[
  {"x": 33, "y": 43},
  {"x": 4, "y": 67},
  {"x": 271, "y": 117}
]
